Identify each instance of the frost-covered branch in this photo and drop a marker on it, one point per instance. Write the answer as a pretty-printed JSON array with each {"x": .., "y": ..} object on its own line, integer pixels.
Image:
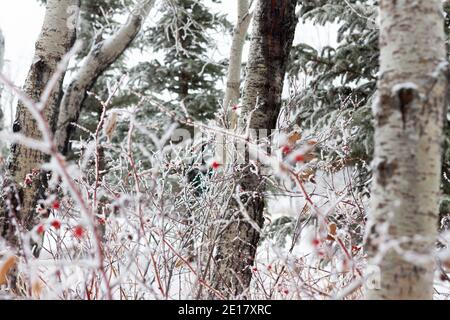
[{"x": 101, "y": 56}]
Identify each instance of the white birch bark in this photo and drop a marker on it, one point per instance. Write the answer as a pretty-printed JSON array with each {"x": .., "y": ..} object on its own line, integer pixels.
[
  {"x": 101, "y": 56},
  {"x": 56, "y": 37},
  {"x": 2, "y": 50},
  {"x": 235, "y": 61},
  {"x": 409, "y": 115},
  {"x": 2, "y": 56}
]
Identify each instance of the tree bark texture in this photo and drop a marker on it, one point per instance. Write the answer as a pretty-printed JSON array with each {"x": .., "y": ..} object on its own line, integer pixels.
[
  {"x": 274, "y": 25},
  {"x": 2, "y": 56},
  {"x": 409, "y": 115},
  {"x": 20, "y": 198},
  {"x": 101, "y": 56}
]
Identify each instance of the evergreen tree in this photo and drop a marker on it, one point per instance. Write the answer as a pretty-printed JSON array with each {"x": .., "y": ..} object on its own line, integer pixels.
[
  {"x": 342, "y": 81},
  {"x": 183, "y": 36},
  {"x": 181, "y": 76}
]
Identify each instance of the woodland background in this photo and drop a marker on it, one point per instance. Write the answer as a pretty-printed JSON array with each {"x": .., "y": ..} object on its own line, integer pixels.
[{"x": 110, "y": 204}]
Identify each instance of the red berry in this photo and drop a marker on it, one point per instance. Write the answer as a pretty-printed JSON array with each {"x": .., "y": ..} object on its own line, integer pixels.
[
  {"x": 55, "y": 205},
  {"x": 28, "y": 180},
  {"x": 355, "y": 249},
  {"x": 316, "y": 242},
  {"x": 40, "y": 229},
  {"x": 300, "y": 158},
  {"x": 286, "y": 291},
  {"x": 235, "y": 107},
  {"x": 286, "y": 149},
  {"x": 78, "y": 232},
  {"x": 269, "y": 267},
  {"x": 56, "y": 224},
  {"x": 215, "y": 165},
  {"x": 254, "y": 269},
  {"x": 101, "y": 221}
]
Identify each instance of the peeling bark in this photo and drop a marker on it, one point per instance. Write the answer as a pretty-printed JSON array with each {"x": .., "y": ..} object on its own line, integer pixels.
[
  {"x": 101, "y": 56},
  {"x": 55, "y": 39},
  {"x": 274, "y": 25},
  {"x": 409, "y": 116}
]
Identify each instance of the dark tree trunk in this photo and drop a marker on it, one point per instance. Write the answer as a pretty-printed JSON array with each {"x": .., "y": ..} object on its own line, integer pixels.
[{"x": 273, "y": 32}]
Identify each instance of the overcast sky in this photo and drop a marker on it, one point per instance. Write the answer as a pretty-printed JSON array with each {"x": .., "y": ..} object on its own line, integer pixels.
[{"x": 20, "y": 21}]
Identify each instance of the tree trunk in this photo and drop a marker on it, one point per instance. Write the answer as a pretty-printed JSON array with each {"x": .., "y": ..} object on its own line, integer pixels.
[
  {"x": 2, "y": 49},
  {"x": 273, "y": 32},
  {"x": 2, "y": 56},
  {"x": 98, "y": 60},
  {"x": 409, "y": 116},
  {"x": 56, "y": 38},
  {"x": 234, "y": 68}
]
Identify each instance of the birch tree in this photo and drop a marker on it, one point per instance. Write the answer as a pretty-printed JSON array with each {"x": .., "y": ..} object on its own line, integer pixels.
[
  {"x": 2, "y": 49},
  {"x": 101, "y": 56},
  {"x": 26, "y": 182},
  {"x": 409, "y": 115},
  {"x": 274, "y": 25},
  {"x": 232, "y": 92},
  {"x": 2, "y": 56}
]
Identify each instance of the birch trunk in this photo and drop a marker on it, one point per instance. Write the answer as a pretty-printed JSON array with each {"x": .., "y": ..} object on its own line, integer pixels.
[
  {"x": 56, "y": 38},
  {"x": 409, "y": 116},
  {"x": 2, "y": 49},
  {"x": 101, "y": 56},
  {"x": 274, "y": 25},
  {"x": 234, "y": 68},
  {"x": 2, "y": 56}
]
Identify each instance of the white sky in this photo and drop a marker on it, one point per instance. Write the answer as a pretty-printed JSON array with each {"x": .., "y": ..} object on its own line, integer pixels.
[{"x": 21, "y": 20}]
